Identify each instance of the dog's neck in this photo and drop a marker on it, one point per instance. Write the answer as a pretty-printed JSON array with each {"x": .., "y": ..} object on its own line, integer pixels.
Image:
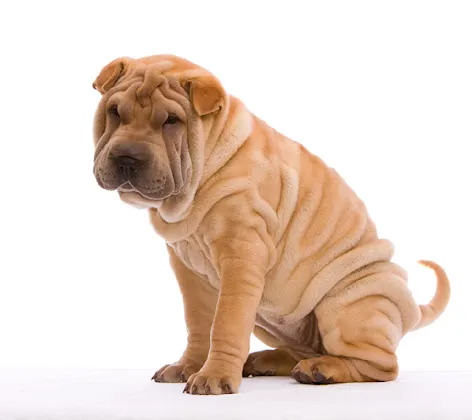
[
  {"x": 179, "y": 218},
  {"x": 225, "y": 138}
]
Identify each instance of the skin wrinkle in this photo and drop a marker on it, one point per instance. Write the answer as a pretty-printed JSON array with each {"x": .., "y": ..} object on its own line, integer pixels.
[
  {"x": 286, "y": 237},
  {"x": 175, "y": 165},
  {"x": 338, "y": 249},
  {"x": 214, "y": 179},
  {"x": 189, "y": 191},
  {"x": 196, "y": 217},
  {"x": 288, "y": 224},
  {"x": 224, "y": 160},
  {"x": 322, "y": 219},
  {"x": 183, "y": 153},
  {"x": 313, "y": 256},
  {"x": 128, "y": 97},
  {"x": 328, "y": 232},
  {"x": 215, "y": 133},
  {"x": 263, "y": 236}
]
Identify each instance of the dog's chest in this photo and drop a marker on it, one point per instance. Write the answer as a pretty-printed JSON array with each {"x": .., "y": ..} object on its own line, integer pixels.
[{"x": 195, "y": 255}]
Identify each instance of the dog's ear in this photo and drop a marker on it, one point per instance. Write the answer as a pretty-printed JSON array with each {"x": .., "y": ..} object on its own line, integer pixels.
[
  {"x": 110, "y": 74},
  {"x": 206, "y": 94}
]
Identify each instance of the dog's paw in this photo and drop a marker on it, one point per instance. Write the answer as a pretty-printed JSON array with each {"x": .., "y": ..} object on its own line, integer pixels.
[
  {"x": 269, "y": 363},
  {"x": 321, "y": 370},
  {"x": 259, "y": 364},
  {"x": 208, "y": 383},
  {"x": 176, "y": 372}
]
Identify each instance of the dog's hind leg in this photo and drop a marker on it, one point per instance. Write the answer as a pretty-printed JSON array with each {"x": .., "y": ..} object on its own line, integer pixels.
[{"x": 360, "y": 340}]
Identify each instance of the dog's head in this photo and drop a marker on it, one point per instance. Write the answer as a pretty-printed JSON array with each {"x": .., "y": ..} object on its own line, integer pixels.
[{"x": 151, "y": 127}]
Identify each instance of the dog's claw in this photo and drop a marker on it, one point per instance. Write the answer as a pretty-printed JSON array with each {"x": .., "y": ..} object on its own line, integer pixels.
[
  {"x": 301, "y": 377},
  {"x": 226, "y": 388},
  {"x": 321, "y": 379}
]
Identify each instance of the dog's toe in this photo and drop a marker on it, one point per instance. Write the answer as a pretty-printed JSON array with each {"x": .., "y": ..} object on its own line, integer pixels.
[
  {"x": 301, "y": 377},
  {"x": 321, "y": 379}
]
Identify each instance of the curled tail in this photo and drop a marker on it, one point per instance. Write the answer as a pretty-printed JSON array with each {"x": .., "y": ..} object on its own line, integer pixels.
[{"x": 436, "y": 307}]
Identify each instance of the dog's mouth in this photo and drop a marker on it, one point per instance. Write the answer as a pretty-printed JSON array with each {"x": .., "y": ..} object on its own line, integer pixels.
[
  {"x": 154, "y": 194},
  {"x": 127, "y": 187},
  {"x": 150, "y": 183}
]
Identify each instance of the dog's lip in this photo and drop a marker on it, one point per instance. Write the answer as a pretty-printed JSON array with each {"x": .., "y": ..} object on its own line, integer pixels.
[{"x": 129, "y": 187}]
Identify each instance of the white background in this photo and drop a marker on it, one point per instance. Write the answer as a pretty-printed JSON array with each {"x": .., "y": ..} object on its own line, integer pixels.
[{"x": 382, "y": 91}]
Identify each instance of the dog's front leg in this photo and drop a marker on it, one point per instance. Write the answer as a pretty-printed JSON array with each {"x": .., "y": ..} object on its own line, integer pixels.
[
  {"x": 200, "y": 300},
  {"x": 241, "y": 263}
]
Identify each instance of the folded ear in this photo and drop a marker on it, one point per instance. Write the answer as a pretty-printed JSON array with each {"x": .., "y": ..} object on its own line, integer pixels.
[
  {"x": 110, "y": 74},
  {"x": 206, "y": 93}
]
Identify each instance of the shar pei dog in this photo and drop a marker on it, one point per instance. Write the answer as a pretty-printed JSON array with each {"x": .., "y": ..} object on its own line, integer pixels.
[{"x": 262, "y": 235}]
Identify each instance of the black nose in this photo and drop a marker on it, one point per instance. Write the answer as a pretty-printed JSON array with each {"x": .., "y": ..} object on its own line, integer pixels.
[
  {"x": 130, "y": 157},
  {"x": 128, "y": 163}
]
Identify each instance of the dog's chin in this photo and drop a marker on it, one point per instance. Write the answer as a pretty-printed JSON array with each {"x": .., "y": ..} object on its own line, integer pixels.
[{"x": 139, "y": 199}]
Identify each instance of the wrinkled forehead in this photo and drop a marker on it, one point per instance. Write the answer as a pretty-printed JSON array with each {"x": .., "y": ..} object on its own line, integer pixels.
[
  {"x": 160, "y": 84},
  {"x": 145, "y": 82}
]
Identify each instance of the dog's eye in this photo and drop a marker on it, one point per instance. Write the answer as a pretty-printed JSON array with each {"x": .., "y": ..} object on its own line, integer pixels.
[
  {"x": 171, "y": 119},
  {"x": 113, "y": 110}
]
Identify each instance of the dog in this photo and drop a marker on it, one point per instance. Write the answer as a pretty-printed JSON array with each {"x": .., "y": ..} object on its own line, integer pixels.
[{"x": 262, "y": 235}]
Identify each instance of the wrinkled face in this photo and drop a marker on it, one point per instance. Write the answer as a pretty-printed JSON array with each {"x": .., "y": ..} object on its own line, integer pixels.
[
  {"x": 148, "y": 129},
  {"x": 144, "y": 147}
]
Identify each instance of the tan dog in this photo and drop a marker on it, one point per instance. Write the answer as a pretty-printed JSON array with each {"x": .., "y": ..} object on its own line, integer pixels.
[{"x": 263, "y": 237}]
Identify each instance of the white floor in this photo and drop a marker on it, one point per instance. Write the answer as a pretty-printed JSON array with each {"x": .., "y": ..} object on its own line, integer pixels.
[{"x": 84, "y": 395}]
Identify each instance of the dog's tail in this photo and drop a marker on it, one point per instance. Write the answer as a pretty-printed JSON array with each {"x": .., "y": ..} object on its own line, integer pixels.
[{"x": 432, "y": 311}]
